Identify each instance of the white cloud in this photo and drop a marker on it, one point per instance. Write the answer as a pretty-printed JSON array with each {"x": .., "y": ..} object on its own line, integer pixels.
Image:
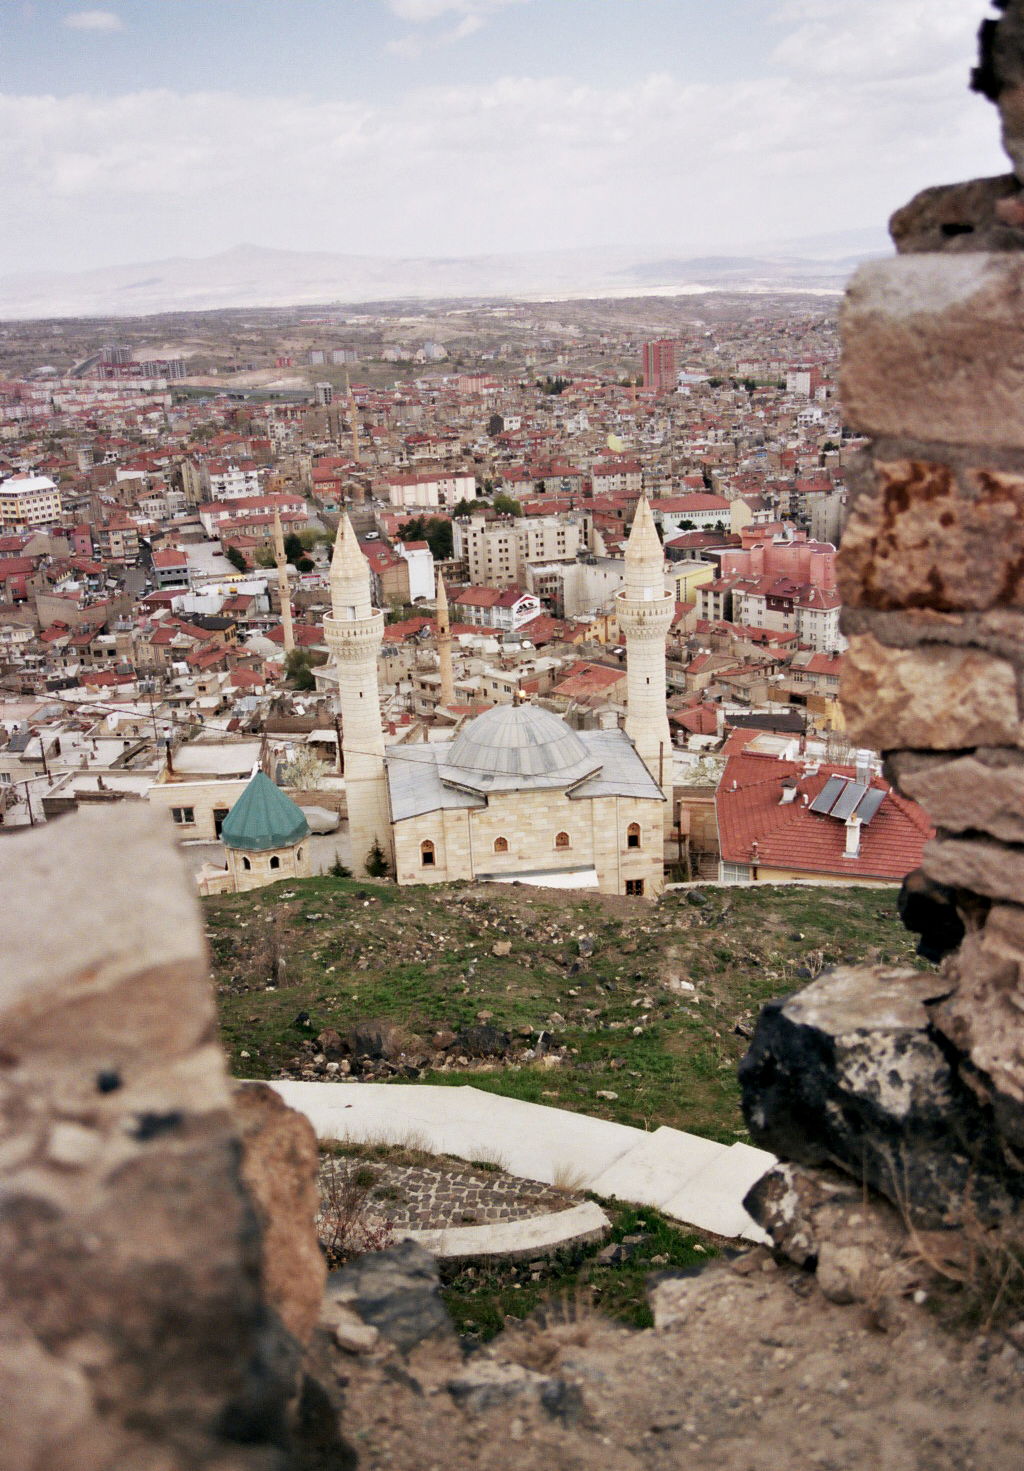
[
  {"x": 842, "y": 126},
  {"x": 94, "y": 20},
  {"x": 422, "y": 12}
]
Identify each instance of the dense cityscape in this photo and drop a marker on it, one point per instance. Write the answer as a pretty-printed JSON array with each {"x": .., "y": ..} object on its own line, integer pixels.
[{"x": 150, "y": 641}]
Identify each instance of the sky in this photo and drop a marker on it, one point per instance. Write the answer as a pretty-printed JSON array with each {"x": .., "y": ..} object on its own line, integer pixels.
[{"x": 139, "y": 130}]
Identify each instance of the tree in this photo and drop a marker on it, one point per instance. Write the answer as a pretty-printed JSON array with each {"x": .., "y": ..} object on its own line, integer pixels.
[
  {"x": 436, "y": 531},
  {"x": 305, "y": 564},
  {"x": 299, "y": 665},
  {"x": 464, "y": 507},
  {"x": 293, "y": 548},
  {"x": 235, "y": 557},
  {"x": 305, "y": 770},
  {"x": 376, "y": 864},
  {"x": 507, "y": 505},
  {"x": 264, "y": 557}
]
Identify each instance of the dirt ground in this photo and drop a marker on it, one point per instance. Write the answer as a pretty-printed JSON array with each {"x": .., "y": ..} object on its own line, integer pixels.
[{"x": 743, "y": 1372}]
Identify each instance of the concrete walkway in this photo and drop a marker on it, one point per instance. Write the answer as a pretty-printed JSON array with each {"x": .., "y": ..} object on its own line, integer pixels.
[{"x": 693, "y": 1180}]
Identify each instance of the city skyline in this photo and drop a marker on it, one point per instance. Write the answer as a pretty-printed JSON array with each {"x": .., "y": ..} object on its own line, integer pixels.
[{"x": 138, "y": 132}]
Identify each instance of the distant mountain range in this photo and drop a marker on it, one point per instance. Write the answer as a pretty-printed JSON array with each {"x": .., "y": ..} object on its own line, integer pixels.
[{"x": 253, "y": 276}]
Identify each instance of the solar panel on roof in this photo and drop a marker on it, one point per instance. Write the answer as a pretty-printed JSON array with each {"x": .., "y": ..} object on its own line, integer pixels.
[
  {"x": 849, "y": 800},
  {"x": 871, "y": 803},
  {"x": 828, "y": 795}
]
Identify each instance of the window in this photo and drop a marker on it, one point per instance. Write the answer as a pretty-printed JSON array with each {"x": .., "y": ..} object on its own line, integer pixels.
[
  {"x": 184, "y": 815},
  {"x": 734, "y": 873},
  {"x": 275, "y": 862},
  {"x": 298, "y": 856},
  {"x": 246, "y": 864},
  {"x": 635, "y": 888},
  {"x": 633, "y": 835},
  {"x": 427, "y": 854},
  {"x": 562, "y": 840},
  {"x": 501, "y": 845}
]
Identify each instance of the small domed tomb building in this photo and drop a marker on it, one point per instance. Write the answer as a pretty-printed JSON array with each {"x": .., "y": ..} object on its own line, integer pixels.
[{"x": 266, "y": 836}]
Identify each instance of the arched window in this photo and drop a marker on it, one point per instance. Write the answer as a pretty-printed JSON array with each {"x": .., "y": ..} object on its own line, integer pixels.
[
  {"x": 298, "y": 855},
  {"x": 501, "y": 845},
  {"x": 275, "y": 862},
  {"x": 562, "y": 840},
  {"x": 246, "y": 864},
  {"x": 633, "y": 835},
  {"x": 427, "y": 854}
]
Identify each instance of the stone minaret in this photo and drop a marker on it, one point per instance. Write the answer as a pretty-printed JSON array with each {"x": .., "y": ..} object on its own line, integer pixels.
[
  {"x": 355, "y": 631},
  {"x": 644, "y": 610},
  {"x": 444, "y": 645},
  {"x": 353, "y": 414},
  {"x": 283, "y": 586}
]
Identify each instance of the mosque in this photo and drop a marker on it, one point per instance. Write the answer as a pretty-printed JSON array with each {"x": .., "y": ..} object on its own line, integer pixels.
[{"x": 517, "y": 795}]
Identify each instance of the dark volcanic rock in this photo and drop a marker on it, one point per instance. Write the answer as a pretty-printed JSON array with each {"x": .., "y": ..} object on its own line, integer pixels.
[
  {"x": 484, "y": 1041},
  {"x": 397, "y": 1291},
  {"x": 850, "y": 1073}
]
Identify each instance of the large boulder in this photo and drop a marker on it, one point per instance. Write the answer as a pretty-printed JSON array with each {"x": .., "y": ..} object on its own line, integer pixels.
[
  {"x": 280, "y": 1168},
  {"x": 133, "y": 1327},
  {"x": 850, "y": 1073}
]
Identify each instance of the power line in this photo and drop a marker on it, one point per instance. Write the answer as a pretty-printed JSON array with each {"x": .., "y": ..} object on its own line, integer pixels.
[{"x": 392, "y": 753}]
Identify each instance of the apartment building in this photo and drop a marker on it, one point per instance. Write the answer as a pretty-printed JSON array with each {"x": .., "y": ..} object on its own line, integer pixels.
[
  {"x": 430, "y": 490},
  {"x": 28, "y": 500},
  {"x": 498, "y": 552}
]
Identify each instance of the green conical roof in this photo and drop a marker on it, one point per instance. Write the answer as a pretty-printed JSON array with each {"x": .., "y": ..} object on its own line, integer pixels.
[{"x": 263, "y": 817}]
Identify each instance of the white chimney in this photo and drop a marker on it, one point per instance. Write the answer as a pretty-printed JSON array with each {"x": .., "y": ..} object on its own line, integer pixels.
[
  {"x": 853, "y": 827},
  {"x": 863, "y": 767}
]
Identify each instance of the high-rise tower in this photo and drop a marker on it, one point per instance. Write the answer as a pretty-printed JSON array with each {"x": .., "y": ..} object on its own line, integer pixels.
[
  {"x": 644, "y": 608},
  {"x": 355, "y": 631},
  {"x": 444, "y": 645},
  {"x": 283, "y": 587},
  {"x": 659, "y": 365}
]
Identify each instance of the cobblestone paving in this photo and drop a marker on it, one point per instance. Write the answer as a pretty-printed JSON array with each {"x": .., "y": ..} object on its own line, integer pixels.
[{"x": 428, "y": 1197}]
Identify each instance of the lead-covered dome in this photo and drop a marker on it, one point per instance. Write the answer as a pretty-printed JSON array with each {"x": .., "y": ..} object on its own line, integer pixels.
[{"x": 517, "y": 748}]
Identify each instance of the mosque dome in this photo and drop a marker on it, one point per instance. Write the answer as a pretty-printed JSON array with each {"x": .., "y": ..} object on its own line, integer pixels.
[
  {"x": 517, "y": 748},
  {"x": 263, "y": 818}
]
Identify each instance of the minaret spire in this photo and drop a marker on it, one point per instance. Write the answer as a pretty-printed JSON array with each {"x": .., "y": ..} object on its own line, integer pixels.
[
  {"x": 353, "y": 416},
  {"x": 645, "y": 607},
  {"x": 283, "y": 586},
  {"x": 444, "y": 644},
  {"x": 354, "y": 630}
]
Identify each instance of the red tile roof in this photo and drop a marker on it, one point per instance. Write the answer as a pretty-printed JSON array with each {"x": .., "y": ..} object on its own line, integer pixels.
[{"x": 756, "y": 827}]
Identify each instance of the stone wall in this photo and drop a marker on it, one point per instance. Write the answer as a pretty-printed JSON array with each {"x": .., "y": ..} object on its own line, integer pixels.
[
  {"x": 932, "y": 563},
  {"x": 158, "y": 1262},
  {"x": 915, "y": 1085}
]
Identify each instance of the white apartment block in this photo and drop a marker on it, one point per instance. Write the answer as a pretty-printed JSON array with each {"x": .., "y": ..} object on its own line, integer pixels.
[
  {"x": 28, "y": 500},
  {"x": 430, "y": 491},
  {"x": 497, "y": 553},
  {"x": 231, "y": 482}
]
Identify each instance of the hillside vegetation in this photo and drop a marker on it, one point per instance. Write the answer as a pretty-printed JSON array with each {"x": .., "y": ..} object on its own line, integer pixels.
[{"x": 652, "y": 1004}]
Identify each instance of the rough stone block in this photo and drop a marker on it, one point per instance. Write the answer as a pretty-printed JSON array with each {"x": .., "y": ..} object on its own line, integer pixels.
[
  {"x": 968, "y": 795},
  {"x": 958, "y": 218},
  {"x": 998, "y": 631},
  {"x": 931, "y": 698},
  {"x": 931, "y": 349},
  {"x": 972, "y": 863},
  {"x": 984, "y": 1016},
  {"x": 280, "y": 1162},
  {"x": 923, "y": 541},
  {"x": 849, "y": 1073},
  {"x": 129, "y": 1251}
]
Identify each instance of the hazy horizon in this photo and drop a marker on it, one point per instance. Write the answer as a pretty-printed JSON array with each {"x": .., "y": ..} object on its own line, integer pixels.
[{"x": 159, "y": 130}]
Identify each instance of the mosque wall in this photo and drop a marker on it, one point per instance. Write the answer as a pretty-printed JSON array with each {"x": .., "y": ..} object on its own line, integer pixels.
[{"x": 529, "y": 822}]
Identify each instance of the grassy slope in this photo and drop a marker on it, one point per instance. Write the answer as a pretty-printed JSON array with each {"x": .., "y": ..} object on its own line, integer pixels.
[{"x": 423, "y": 959}]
